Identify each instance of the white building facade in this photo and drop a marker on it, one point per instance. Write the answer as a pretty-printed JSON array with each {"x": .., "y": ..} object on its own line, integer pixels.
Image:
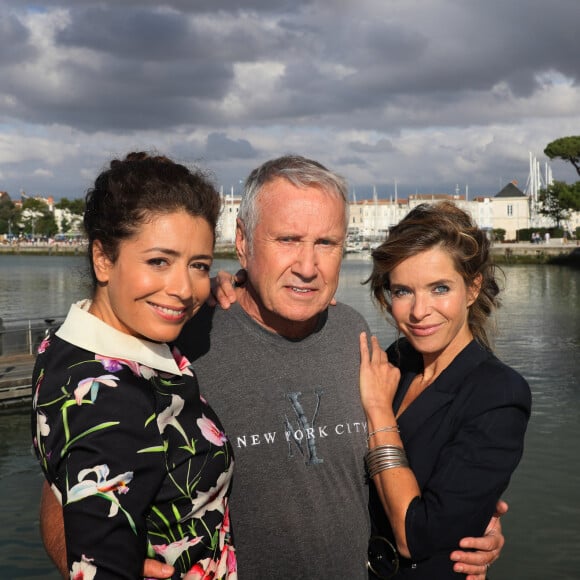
[{"x": 370, "y": 219}]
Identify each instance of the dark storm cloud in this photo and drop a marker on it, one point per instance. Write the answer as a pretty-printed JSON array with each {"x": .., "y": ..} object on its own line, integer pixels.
[
  {"x": 138, "y": 33},
  {"x": 460, "y": 89},
  {"x": 130, "y": 96},
  {"x": 445, "y": 52},
  {"x": 220, "y": 147},
  {"x": 132, "y": 34},
  {"x": 186, "y": 6},
  {"x": 15, "y": 47}
]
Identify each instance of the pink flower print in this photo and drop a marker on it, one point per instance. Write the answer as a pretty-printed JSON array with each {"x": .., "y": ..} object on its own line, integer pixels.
[
  {"x": 43, "y": 345},
  {"x": 231, "y": 561},
  {"x": 92, "y": 384},
  {"x": 182, "y": 362},
  {"x": 171, "y": 552},
  {"x": 225, "y": 526},
  {"x": 203, "y": 570},
  {"x": 225, "y": 567},
  {"x": 211, "y": 432},
  {"x": 83, "y": 570},
  {"x": 114, "y": 365},
  {"x": 225, "y": 543}
]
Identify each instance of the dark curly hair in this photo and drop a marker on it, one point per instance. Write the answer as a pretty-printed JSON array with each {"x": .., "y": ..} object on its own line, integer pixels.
[
  {"x": 449, "y": 227},
  {"x": 137, "y": 187}
]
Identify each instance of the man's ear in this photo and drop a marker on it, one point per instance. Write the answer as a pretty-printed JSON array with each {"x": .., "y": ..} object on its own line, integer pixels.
[
  {"x": 242, "y": 245},
  {"x": 474, "y": 289},
  {"x": 101, "y": 262}
]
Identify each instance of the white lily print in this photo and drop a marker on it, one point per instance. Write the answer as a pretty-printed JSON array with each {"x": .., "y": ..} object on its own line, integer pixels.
[
  {"x": 42, "y": 426},
  {"x": 42, "y": 430},
  {"x": 213, "y": 499},
  {"x": 169, "y": 416},
  {"x": 103, "y": 487}
]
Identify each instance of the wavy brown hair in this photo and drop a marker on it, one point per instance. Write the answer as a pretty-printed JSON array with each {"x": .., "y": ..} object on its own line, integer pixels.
[{"x": 446, "y": 226}]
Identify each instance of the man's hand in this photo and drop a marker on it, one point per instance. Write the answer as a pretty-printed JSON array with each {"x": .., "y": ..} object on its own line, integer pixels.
[
  {"x": 156, "y": 569},
  {"x": 223, "y": 288},
  {"x": 476, "y": 564}
]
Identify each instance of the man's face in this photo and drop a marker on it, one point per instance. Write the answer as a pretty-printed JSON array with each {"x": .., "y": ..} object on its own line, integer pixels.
[{"x": 294, "y": 260}]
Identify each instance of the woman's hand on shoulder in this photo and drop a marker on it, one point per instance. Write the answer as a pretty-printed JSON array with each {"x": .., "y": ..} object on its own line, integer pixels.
[{"x": 379, "y": 379}]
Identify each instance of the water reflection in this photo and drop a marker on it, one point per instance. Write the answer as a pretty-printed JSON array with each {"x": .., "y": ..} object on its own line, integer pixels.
[
  {"x": 42, "y": 286},
  {"x": 21, "y": 553},
  {"x": 539, "y": 336}
]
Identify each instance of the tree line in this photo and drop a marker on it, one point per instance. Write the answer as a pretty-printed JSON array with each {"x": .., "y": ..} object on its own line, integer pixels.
[
  {"x": 559, "y": 199},
  {"x": 34, "y": 217}
]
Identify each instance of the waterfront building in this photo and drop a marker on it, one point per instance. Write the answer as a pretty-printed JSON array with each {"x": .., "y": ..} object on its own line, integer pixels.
[
  {"x": 226, "y": 227},
  {"x": 511, "y": 210},
  {"x": 370, "y": 219}
]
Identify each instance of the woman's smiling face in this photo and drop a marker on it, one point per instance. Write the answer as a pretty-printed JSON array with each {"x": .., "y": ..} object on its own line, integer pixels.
[
  {"x": 160, "y": 278},
  {"x": 430, "y": 303}
]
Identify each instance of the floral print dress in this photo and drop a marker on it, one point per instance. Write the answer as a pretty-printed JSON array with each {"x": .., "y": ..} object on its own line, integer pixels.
[{"x": 137, "y": 457}]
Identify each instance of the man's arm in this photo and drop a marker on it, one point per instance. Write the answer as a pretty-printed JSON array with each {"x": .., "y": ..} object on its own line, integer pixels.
[
  {"x": 52, "y": 529},
  {"x": 488, "y": 548},
  {"x": 52, "y": 532}
]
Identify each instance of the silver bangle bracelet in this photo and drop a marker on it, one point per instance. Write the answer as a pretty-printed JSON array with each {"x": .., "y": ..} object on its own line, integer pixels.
[{"x": 385, "y": 457}]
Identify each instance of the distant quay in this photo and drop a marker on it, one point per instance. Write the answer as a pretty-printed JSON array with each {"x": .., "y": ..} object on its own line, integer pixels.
[
  {"x": 557, "y": 251},
  {"x": 554, "y": 252}
]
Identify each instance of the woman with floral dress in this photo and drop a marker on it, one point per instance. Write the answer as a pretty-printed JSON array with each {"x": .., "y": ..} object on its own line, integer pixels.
[{"x": 136, "y": 455}]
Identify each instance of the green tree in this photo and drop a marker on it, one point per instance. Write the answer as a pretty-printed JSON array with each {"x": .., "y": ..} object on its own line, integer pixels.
[
  {"x": 498, "y": 234},
  {"x": 559, "y": 199},
  {"x": 37, "y": 219},
  {"x": 75, "y": 206},
  {"x": 9, "y": 216},
  {"x": 64, "y": 225},
  {"x": 567, "y": 149}
]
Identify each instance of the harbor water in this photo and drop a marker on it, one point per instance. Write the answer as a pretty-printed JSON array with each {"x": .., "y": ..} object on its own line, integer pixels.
[{"x": 539, "y": 336}]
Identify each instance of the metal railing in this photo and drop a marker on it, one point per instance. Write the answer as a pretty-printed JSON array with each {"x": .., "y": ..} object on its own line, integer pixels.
[{"x": 24, "y": 335}]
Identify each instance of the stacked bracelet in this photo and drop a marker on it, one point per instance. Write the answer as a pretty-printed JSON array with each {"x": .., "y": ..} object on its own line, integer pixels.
[
  {"x": 393, "y": 429},
  {"x": 385, "y": 457}
]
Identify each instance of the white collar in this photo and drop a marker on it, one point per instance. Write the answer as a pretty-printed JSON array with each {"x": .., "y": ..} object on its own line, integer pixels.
[{"x": 88, "y": 332}]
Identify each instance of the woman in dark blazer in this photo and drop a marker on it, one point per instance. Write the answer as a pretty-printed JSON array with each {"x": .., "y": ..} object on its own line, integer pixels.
[{"x": 446, "y": 418}]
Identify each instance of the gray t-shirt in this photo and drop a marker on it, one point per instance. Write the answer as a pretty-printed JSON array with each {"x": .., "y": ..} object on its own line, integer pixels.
[{"x": 291, "y": 409}]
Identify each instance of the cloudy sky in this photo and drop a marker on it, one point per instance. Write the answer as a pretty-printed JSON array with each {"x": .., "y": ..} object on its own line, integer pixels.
[{"x": 430, "y": 94}]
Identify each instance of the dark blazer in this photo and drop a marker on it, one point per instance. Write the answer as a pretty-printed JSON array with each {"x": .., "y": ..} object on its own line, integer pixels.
[{"x": 464, "y": 437}]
